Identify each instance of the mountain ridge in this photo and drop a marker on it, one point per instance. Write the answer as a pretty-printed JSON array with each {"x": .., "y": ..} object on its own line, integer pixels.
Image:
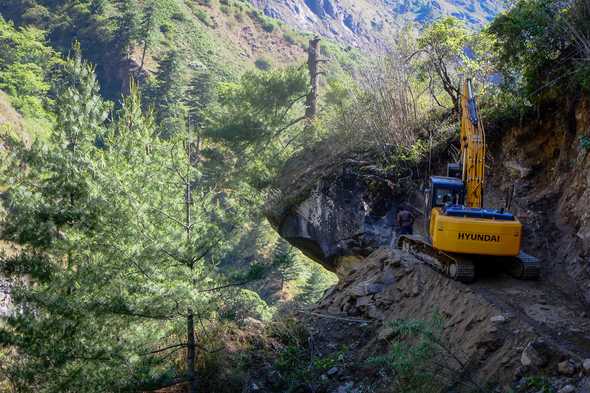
[{"x": 372, "y": 23}]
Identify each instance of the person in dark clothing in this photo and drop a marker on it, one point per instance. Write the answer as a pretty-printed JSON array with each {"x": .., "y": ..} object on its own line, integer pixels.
[{"x": 405, "y": 221}]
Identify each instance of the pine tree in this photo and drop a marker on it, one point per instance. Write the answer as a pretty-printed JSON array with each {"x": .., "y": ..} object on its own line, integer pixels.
[
  {"x": 313, "y": 288},
  {"x": 121, "y": 242},
  {"x": 285, "y": 262},
  {"x": 128, "y": 24},
  {"x": 147, "y": 29},
  {"x": 171, "y": 112},
  {"x": 199, "y": 95}
]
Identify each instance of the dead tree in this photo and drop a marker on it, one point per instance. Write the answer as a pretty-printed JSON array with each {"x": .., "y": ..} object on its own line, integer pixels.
[{"x": 313, "y": 61}]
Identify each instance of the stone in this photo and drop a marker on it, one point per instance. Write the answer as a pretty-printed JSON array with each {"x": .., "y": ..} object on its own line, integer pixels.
[
  {"x": 253, "y": 323},
  {"x": 567, "y": 367},
  {"x": 586, "y": 366},
  {"x": 332, "y": 371},
  {"x": 326, "y": 213},
  {"x": 363, "y": 301},
  {"x": 385, "y": 333},
  {"x": 346, "y": 388},
  {"x": 375, "y": 313},
  {"x": 498, "y": 319},
  {"x": 365, "y": 288},
  {"x": 532, "y": 356},
  {"x": 567, "y": 389}
]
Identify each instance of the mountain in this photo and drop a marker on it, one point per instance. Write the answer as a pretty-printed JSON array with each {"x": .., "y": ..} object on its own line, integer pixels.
[{"x": 371, "y": 23}]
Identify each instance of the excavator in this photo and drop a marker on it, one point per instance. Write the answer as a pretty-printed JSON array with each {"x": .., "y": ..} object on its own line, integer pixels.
[{"x": 459, "y": 231}]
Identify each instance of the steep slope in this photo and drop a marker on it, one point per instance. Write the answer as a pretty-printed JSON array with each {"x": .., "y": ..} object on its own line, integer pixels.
[
  {"x": 371, "y": 23},
  {"x": 491, "y": 330}
]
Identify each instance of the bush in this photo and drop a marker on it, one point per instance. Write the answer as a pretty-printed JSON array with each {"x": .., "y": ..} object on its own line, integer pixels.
[
  {"x": 178, "y": 16},
  {"x": 267, "y": 25},
  {"x": 419, "y": 360},
  {"x": 262, "y": 64},
  {"x": 289, "y": 37},
  {"x": 204, "y": 18}
]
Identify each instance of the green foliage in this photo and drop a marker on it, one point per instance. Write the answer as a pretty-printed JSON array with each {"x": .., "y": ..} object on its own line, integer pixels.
[
  {"x": 540, "y": 384},
  {"x": 117, "y": 267},
  {"x": 419, "y": 360},
  {"x": 289, "y": 37},
  {"x": 262, "y": 64},
  {"x": 167, "y": 96},
  {"x": 285, "y": 262},
  {"x": 299, "y": 366},
  {"x": 204, "y": 17},
  {"x": 259, "y": 106},
  {"x": 26, "y": 65},
  {"x": 315, "y": 285},
  {"x": 128, "y": 26},
  {"x": 536, "y": 41}
]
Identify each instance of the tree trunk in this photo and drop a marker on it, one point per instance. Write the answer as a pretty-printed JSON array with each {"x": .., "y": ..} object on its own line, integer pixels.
[
  {"x": 145, "y": 45},
  {"x": 191, "y": 352},
  {"x": 311, "y": 104}
]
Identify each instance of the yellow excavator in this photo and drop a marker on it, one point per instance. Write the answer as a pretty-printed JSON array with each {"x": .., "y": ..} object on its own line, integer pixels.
[{"x": 459, "y": 230}]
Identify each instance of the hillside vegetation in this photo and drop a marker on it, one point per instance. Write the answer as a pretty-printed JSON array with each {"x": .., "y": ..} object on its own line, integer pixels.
[{"x": 142, "y": 140}]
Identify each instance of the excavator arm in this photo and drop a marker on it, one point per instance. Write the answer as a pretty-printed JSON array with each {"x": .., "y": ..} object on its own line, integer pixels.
[{"x": 473, "y": 148}]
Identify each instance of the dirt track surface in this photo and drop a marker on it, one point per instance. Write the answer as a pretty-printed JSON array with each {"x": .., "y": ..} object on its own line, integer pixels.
[
  {"x": 488, "y": 324},
  {"x": 561, "y": 319}
]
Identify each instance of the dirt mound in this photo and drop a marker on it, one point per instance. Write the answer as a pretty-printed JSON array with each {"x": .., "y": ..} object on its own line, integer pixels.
[{"x": 494, "y": 327}]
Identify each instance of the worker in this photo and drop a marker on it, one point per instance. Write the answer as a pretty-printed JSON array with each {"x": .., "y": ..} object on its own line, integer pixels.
[{"x": 405, "y": 221}]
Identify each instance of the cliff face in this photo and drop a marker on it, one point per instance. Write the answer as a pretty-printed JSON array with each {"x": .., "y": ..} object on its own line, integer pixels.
[{"x": 546, "y": 160}]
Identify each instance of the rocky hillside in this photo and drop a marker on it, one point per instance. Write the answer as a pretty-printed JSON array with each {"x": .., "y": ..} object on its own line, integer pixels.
[{"x": 371, "y": 23}]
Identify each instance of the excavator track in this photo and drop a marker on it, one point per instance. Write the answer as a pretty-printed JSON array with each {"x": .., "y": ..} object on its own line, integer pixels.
[
  {"x": 452, "y": 266},
  {"x": 524, "y": 267}
]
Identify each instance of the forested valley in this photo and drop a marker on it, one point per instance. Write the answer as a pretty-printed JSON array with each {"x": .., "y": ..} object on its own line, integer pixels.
[{"x": 150, "y": 149}]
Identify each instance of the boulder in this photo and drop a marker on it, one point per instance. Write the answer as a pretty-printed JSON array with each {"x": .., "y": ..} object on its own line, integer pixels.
[
  {"x": 337, "y": 211},
  {"x": 533, "y": 354},
  {"x": 567, "y": 389},
  {"x": 567, "y": 367}
]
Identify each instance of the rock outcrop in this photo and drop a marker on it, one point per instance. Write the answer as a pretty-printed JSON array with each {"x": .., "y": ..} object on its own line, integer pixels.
[
  {"x": 335, "y": 211},
  {"x": 370, "y": 24}
]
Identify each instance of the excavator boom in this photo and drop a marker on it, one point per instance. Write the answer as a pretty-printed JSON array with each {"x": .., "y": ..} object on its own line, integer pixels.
[{"x": 473, "y": 148}]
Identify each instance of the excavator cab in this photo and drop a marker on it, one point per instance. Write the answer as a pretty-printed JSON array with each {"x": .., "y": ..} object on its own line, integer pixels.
[{"x": 446, "y": 191}]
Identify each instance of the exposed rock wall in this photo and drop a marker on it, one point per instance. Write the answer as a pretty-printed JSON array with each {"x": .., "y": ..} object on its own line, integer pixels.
[
  {"x": 544, "y": 158},
  {"x": 370, "y": 24}
]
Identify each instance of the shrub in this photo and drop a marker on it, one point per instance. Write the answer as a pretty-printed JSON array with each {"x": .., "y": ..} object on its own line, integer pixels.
[
  {"x": 262, "y": 64},
  {"x": 289, "y": 37},
  {"x": 204, "y": 17},
  {"x": 267, "y": 25},
  {"x": 178, "y": 16},
  {"x": 420, "y": 360}
]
